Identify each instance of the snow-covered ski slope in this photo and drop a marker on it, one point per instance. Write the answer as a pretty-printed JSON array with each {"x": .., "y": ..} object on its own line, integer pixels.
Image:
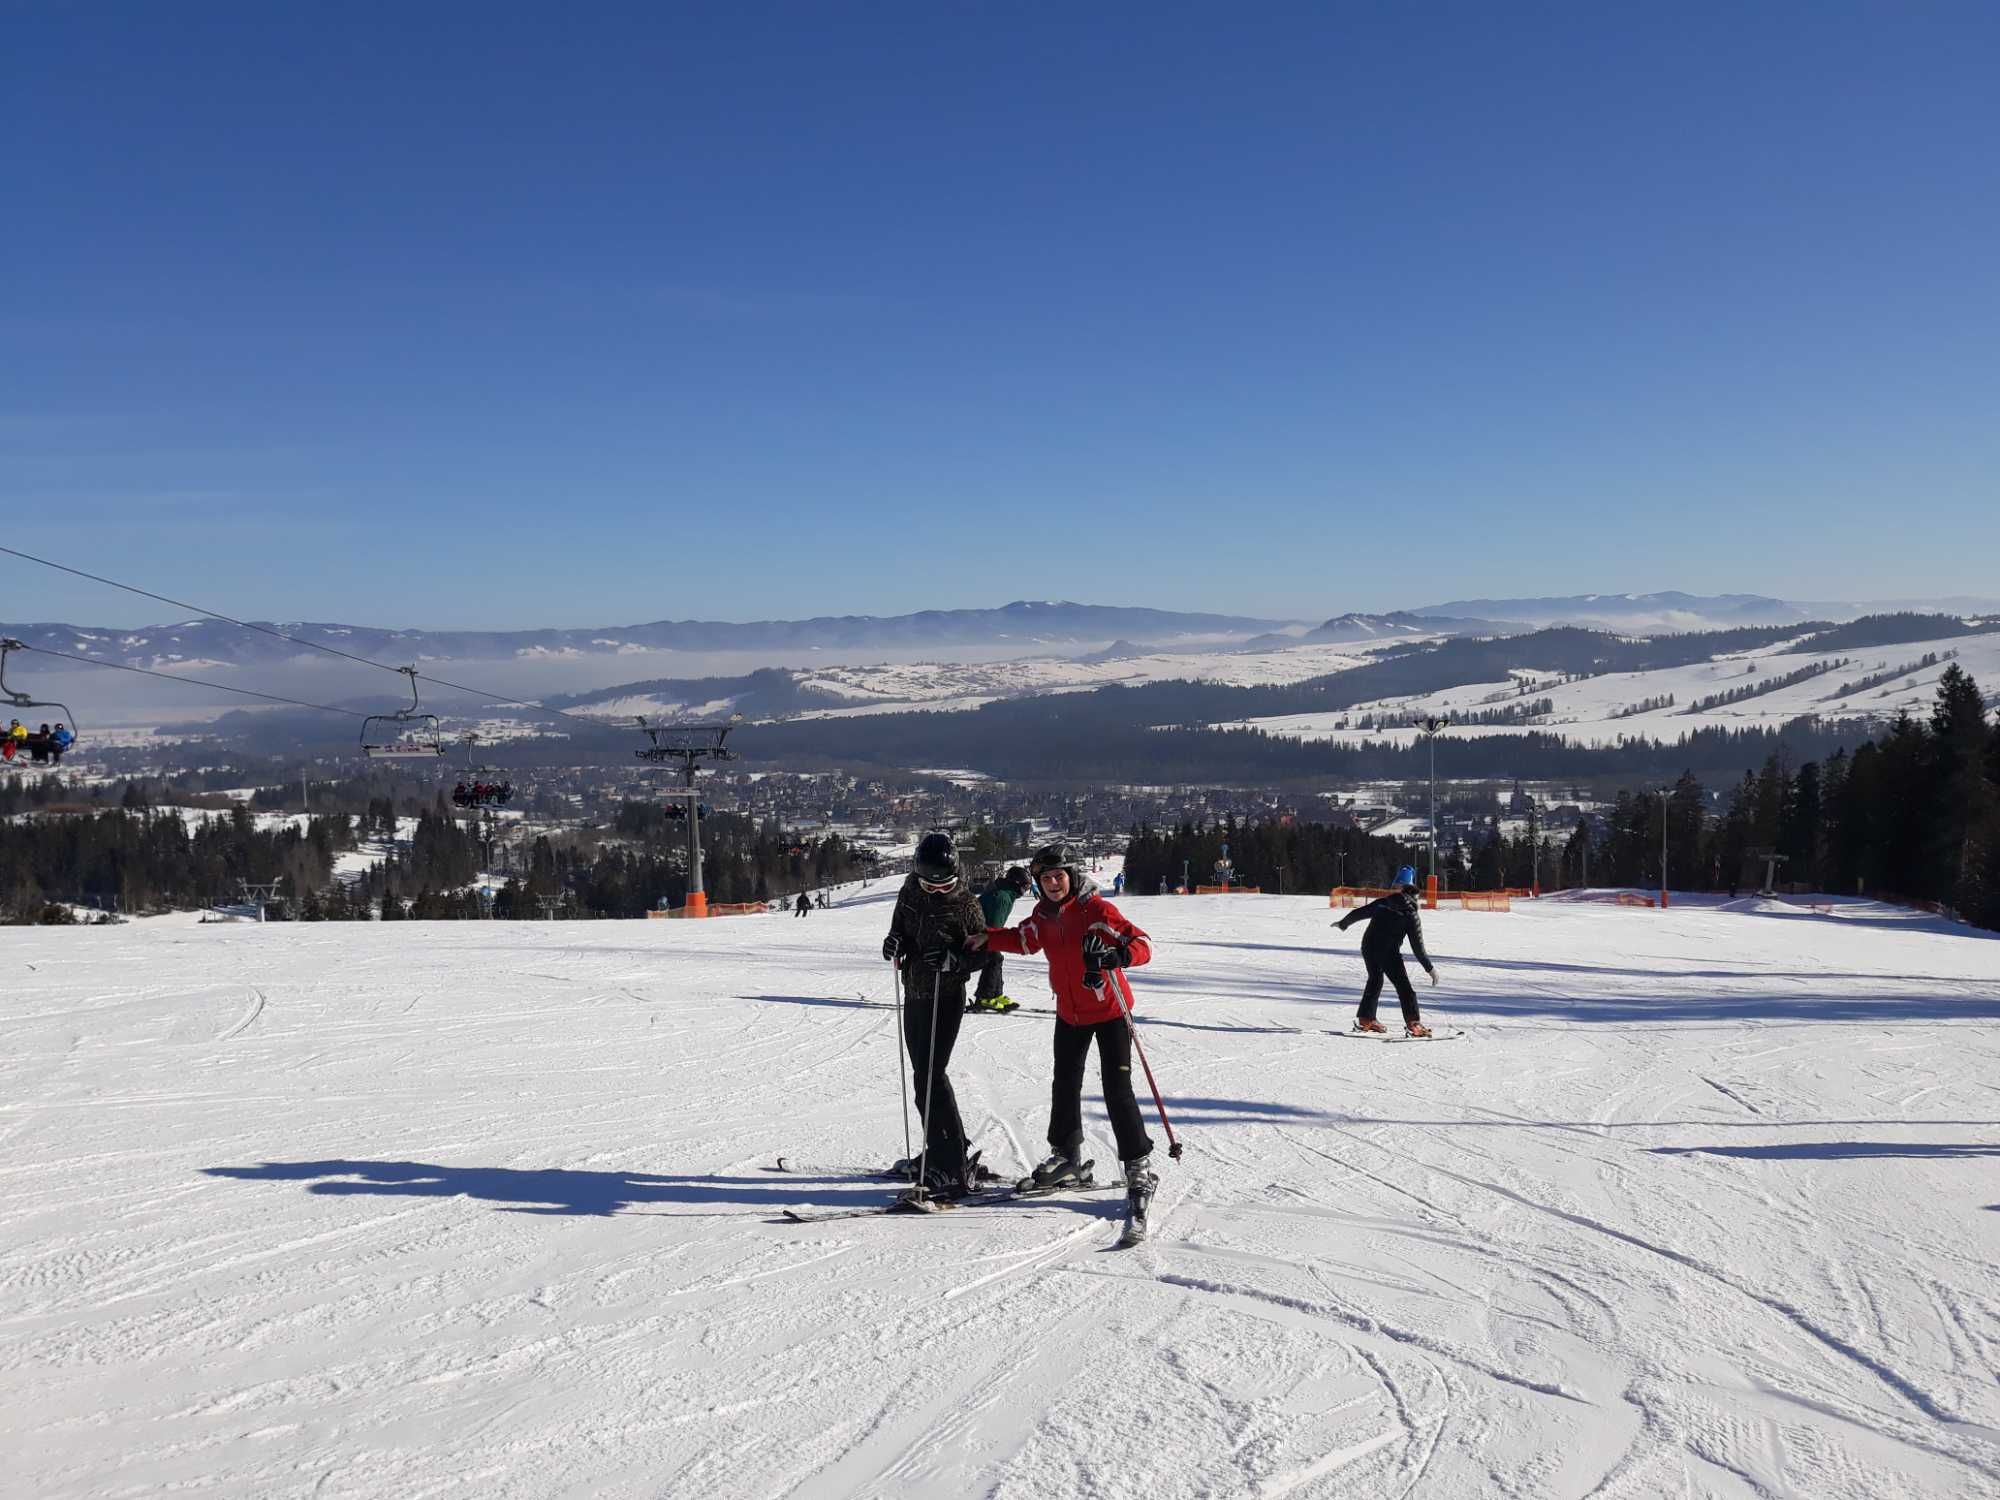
[
  {"x": 1707, "y": 1202},
  {"x": 1597, "y": 710}
]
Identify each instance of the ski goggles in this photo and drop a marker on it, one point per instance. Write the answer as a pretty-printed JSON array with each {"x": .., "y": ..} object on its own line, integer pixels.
[{"x": 938, "y": 887}]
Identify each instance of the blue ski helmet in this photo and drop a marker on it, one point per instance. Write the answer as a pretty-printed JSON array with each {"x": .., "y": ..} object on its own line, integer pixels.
[{"x": 1407, "y": 875}]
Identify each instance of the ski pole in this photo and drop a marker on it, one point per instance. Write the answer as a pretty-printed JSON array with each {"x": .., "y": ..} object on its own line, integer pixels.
[
  {"x": 1123, "y": 993},
  {"x": 902, "y": 1063}
]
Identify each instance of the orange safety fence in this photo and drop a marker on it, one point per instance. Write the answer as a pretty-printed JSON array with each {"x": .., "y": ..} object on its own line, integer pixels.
[
  {"x": 1226, "y": 890},
  {"x": 1361, "y": 895},
  {"x": 1626, "y": 898},
  {"x": 715, "y": 909},
  {"x": 1356, "y": 895}
]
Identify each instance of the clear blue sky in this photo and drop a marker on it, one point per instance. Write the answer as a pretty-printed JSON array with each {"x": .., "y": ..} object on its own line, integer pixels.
[{"x": 502, "y": 315}]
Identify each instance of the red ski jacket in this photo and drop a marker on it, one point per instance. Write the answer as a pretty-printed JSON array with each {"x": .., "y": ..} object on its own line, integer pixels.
[{"x": 1059, "y": 932}]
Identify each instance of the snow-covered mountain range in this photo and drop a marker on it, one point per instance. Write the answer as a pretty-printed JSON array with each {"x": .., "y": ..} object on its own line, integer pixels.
[{"x": 1024, "y": 628}]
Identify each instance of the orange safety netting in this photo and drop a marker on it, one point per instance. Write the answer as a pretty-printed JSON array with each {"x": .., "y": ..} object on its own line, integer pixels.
[
  {"x": 715, "y": 909},
  {"x": 1355, "y": 895}
]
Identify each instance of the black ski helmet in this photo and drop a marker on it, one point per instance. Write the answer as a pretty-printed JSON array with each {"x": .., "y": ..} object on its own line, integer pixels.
[
  {"x": 937, "y": 860},
  {"x": 1056, "y": 857},
  {"x": 1017, "y": 877}
]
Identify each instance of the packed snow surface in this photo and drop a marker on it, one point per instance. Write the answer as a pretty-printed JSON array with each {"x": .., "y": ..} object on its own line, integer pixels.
[{"x": 1703, "y": 1202}]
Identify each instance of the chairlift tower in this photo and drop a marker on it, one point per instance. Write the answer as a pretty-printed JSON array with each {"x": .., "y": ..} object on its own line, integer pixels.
[
  {"x": 1431, "y": 729},
  {"x": 690, "y": 745},
  {"x": 258, "y": 893},
  {"x": 1771, "y": 863},
  {"x": 550, "y": 905}
]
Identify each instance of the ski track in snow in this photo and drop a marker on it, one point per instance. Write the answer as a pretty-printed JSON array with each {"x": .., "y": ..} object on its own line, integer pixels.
[{"x": 1702, "y": 1204}]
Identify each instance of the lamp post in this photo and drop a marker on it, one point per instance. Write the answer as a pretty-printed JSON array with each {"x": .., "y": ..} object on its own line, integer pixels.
[{"x": 1432, "y": 728}]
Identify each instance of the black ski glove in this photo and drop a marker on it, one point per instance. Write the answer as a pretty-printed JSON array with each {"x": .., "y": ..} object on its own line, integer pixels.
[
  {"x": 1100, "y": 952},
  {"x": 945, "y": 958},
  {"x": 892, "y": 947}
]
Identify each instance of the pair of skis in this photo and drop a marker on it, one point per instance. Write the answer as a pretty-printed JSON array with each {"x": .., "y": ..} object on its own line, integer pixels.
[
  {"x": 1392, "y": 1036},
  {"x": 1013, "y": 1192}
]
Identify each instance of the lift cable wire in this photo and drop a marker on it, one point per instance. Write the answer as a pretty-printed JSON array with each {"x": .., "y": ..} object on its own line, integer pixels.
[
  {"x": 213, "y": 614},
  {"x": 220, "y": 687}
]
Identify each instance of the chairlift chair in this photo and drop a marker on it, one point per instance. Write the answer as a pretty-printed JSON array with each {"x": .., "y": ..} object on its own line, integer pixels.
[
  {"x": 17, "y": 699},
  {"x": 414, "y": 734},
  {"x": 470, "y": 772}
]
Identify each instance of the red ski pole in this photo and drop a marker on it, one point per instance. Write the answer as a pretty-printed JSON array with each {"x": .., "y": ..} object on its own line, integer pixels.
[{"x": 1124, "y": 994}]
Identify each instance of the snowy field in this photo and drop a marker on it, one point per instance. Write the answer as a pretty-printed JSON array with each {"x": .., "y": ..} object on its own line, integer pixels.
[
  {"x": 1704, "y": 1202},
  {"x": 1592, "y": 711}
]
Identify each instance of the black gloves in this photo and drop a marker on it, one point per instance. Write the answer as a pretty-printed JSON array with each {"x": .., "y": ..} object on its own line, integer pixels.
[
  {"x": 945, "y": 958},
  {"x": 892, "y": 947},
  {"x": 1101, "y": 952}
]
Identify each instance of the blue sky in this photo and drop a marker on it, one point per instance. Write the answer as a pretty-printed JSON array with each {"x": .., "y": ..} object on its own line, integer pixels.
[{"x": 504, "y": 315}]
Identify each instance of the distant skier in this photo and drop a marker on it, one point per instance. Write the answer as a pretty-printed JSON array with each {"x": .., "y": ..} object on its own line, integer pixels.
[
  {"x": 996, "y": 902},
  {"x": 1088, "y": 942},
  {"x": 936, "y": 917},
  {"x": 1390, "y": 920},
  {"x": 804, "y": 906},
  {"x": 1118, "y": 884}
]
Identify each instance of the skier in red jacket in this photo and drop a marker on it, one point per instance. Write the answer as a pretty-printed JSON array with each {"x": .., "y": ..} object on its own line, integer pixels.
[{"x": 1089, "y": 944}]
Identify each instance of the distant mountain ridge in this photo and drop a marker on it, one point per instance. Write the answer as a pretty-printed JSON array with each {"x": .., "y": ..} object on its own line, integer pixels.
[
  {"x": 190, "y": 644},
  {"x": 1669, "y": 609}
]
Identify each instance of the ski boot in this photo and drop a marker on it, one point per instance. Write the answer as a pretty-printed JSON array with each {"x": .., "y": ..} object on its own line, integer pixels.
[
  {"x": 1370, "y": 1025},
  {"x": 1000, "y": 1005},
  {"x": 1416, "y": 1029},
  {"x": 1140, "y": 1182},
  {"x": 1064, "y": 1169},
  {"x": 943, "y": 1185}
]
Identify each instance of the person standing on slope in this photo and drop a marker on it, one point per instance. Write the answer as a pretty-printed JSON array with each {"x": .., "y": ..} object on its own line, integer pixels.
[
  {"x": 1089, "y": 944},
  {"x": 1390, "y": 920},
  {"x": 996, "y": 902},
  {"x": 935, "y": 920}
]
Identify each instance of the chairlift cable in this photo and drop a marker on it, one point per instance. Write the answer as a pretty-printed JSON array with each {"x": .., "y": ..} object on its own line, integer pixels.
[
  {"x": 220, "y": 687},
  {"x": 212, "y": 614}
]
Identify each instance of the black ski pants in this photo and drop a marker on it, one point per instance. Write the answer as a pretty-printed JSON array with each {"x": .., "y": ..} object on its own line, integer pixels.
[
  {"x": 1389, "y": 965},
  {"x": 1114, "y": 1058},
  {"x": 934, "y": 1006},
  {"x": 991, "y": 983}
]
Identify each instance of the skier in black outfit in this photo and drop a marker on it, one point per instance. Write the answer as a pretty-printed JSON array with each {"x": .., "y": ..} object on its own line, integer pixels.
[
  {"x": 1390, "y": 920},
  {"x": 935, "y": 913}
]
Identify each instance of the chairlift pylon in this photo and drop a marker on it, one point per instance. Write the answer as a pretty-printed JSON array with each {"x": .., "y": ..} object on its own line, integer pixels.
[
  {"x": 686, "y": 742},
  {"x": 17, "y": 699},
  {"x": 416, "y": 733}
]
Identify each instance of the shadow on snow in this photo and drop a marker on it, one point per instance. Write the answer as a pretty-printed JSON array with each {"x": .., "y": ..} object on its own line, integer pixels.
[
  {"x": 1834, "y": 1150},
  {"x": 557, "y": 1190}
]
